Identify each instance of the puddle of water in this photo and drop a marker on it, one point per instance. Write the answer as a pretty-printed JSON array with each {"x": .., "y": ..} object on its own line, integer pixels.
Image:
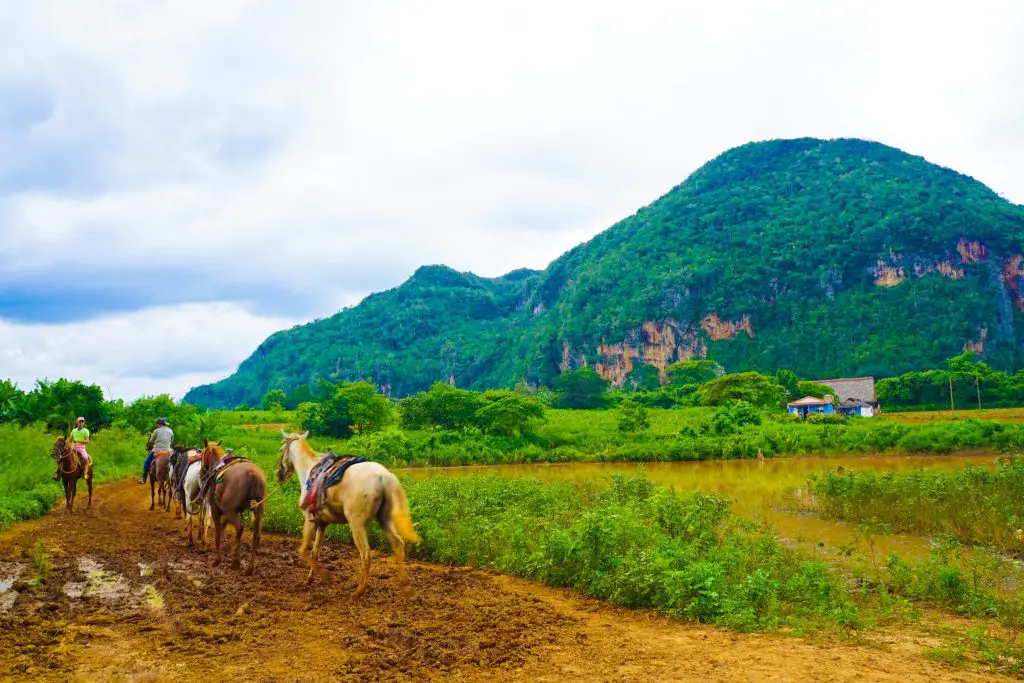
[
  {"x": 9, "y": 573},
  {"x": 99, "y": 583},
  {"x": 153, "y": 599}
]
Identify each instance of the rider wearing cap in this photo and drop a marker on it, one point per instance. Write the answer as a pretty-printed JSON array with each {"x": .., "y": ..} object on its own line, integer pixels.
[
  {"x": 79, "y": 439},
  {"x": 160, "y": 441}
]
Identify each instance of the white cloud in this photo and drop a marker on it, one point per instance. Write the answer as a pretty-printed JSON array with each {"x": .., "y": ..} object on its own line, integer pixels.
[
  {"x": 290, "y": 157},
  {"x": 157, "y": 350}
]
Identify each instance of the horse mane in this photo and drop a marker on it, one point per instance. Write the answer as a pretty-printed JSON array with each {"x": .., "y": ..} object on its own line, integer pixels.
[{"x": 306, "y": 448}]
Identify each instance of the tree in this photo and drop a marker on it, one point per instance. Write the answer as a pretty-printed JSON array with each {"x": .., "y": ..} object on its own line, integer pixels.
[
  {"x": 300, "y": 394},
  {"x": 581, "y": 389},
  {"x": 643, "y": 377},
  {"x": 965, "y": 366},
  {"x": 693, "y": 371},
  {"x": 274, "y": 399},
  {"x": 633, "y": 416},
  {"x": 368, "y": 410},
  {"x": 805, "y": 388},
  {"x": 507, "y": 413},
  {"x": 57, "y": 404},
  {"x": 790, "y": 382},
  {"x": 11, "y": 398},
  {"x": 753, "y": 387},
  {"x": 443, "y": 406}
]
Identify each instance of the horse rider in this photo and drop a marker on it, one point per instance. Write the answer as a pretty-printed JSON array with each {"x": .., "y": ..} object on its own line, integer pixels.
[
  {"x": 79, "y": 440},
  {"x": 160, "y": 441}
]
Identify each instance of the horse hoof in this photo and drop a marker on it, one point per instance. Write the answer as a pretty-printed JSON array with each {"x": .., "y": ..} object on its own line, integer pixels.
[
  {"x": 249, "y": 571},
  {"x": 235, "y": 564}
]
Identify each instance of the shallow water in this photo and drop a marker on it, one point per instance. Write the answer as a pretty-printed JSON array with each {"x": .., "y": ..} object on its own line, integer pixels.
[{"x": 771, "y": 490}]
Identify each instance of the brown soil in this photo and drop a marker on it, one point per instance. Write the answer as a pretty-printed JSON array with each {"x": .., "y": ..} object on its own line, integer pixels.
[{"x": 126, "y": 600}]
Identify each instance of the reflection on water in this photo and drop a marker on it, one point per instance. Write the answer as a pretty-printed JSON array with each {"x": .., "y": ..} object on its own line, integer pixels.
[{"x": 759, "y": 489}]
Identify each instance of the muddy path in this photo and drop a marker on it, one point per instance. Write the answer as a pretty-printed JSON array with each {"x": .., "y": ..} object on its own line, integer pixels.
[{"x": 125, "y": 600}]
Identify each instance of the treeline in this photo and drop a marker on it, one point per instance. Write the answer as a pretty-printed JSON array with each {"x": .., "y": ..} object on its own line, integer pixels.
[
  {"x": 347, "y": 408},
  {"x": 965, "y": 382},
  {"x": 55, "y": 405}
]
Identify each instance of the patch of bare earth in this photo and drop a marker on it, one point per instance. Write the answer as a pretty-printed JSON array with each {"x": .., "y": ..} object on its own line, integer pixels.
[{"x": 125, "y": 599}]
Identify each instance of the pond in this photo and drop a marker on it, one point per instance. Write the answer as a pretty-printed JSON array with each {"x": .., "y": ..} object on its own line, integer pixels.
[{"x": 770, "y": 490}]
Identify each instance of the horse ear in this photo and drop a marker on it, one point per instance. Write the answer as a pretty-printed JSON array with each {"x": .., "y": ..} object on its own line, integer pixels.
[
  {"x": 206, "y": 442},
  {"x": 220, "y": 442},
  {"x": 305, "y": 434}
]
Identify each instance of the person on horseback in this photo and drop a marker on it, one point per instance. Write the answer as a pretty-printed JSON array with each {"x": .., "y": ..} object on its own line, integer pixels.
[
  {"x": 160, "y": 441},
  {"x": 79, "y": 439}
]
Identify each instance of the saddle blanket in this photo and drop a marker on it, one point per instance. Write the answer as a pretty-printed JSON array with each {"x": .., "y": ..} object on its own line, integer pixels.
[
  {"x": 323, "y": 476},
  {"x": 214, "y": 477}
]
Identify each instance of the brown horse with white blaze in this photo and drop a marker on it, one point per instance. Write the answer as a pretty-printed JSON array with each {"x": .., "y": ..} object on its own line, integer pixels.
[
  {"x": 368, "y": 490},
  {"x": 71, "y": 468},
  {"x": 240, "y": 486}
]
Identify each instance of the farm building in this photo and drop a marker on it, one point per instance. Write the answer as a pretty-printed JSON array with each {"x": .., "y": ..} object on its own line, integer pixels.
[
  {"x": 860, "y": 389},
  {"x": 852, "y": 406},
  {"x": 808, "y": 405}
]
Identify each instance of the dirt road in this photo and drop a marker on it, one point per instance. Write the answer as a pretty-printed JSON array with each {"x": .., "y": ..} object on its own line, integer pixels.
[{"x": 125, "y": 600}]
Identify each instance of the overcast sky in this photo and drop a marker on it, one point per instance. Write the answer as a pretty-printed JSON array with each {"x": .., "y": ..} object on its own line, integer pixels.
[{"x": 180, "y": 179}]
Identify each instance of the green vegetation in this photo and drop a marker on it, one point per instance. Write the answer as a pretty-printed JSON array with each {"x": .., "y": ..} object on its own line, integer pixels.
[
  {"x": 965, "y": 382},
  {"x": 788, "y": 235},
  {"x": 974, "y": 505},
  {"x": 634, "y": 543},
  {"x": 26, "y": 490}
]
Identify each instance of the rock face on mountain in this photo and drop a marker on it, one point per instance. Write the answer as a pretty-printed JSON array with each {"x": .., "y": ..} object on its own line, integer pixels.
[{"x": 830, "y": 257}]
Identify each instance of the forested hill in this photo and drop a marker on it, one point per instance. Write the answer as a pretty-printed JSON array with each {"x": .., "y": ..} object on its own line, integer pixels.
[{"x": 832, "y": 258}]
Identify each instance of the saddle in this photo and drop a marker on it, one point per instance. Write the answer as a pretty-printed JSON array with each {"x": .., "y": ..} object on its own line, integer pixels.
[
  {"x": 323, "y": 476},
  {"x": 216, "y": 476}
]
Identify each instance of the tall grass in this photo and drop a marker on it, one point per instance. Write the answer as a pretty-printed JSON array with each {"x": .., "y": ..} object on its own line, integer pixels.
[
  {"x": 26, "y": 490},
  {"x": 974, "y": 505},
  {"x": 633, "y": 543}
]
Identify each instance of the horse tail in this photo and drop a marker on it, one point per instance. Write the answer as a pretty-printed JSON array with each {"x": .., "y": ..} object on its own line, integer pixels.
[
  {"x": 257, "y": 492},
  {"x": 400, "y": 516}
]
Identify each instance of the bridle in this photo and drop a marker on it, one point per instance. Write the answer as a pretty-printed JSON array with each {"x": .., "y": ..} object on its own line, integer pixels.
[{"x": 67, "y": 454}]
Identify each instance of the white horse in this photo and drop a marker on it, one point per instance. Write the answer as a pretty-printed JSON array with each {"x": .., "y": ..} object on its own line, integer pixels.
[
  {"x": 367, "y": 490},
  {"x": 192, "y": 484}
]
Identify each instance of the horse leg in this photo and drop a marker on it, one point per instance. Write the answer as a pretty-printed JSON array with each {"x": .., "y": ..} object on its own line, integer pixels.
[
  {"x": 188, "y": 528},
  {"x": 205, "y": 520},
  {"x": 152, "y": 493},
  {"x": 308, "y": 533},
  {"x": 397, "y": 546},
  {"x": 235, "y": 520},
  {"x": 68, "y": 503},
  {"x": 218, "y": 533},
  {"x": 359, "y": 536},
  {"x": 257, "y": 527},
  {"x": 88, "y": 483},
  {"x": 314, "y": 555}
]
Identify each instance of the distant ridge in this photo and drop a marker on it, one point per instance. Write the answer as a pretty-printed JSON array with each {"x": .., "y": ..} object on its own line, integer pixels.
[{"x": 835, "y": 258}]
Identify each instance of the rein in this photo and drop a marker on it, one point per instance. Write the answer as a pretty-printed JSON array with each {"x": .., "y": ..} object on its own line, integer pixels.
[{"x": 69, "y": 454}]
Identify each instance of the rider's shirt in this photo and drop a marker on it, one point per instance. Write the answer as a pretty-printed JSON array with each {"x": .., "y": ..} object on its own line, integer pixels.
[
  {"x": 162, "y": 438},
  {"x": 80, "y": 435}
]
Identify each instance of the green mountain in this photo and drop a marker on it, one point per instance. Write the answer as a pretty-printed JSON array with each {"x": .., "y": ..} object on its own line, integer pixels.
[{"x": 830, "y": 257}]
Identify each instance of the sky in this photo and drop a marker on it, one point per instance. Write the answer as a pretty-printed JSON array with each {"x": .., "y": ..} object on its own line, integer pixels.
[{"x": 178, "y": 180}]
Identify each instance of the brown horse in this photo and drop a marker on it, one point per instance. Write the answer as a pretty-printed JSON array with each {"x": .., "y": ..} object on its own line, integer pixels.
[
  {"x": 368, "y": 491},
  {"x": 71, "y": 469},
  {"x": 239, "y": 486},
  {"x": 160, "y": 480}
]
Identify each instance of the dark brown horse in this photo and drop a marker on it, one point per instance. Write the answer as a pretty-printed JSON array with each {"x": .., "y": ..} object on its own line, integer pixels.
[
  {"x": 160, "y": 480},
  {"x": 71, "y": 468},
  {"x": 238, "y": 487}
]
